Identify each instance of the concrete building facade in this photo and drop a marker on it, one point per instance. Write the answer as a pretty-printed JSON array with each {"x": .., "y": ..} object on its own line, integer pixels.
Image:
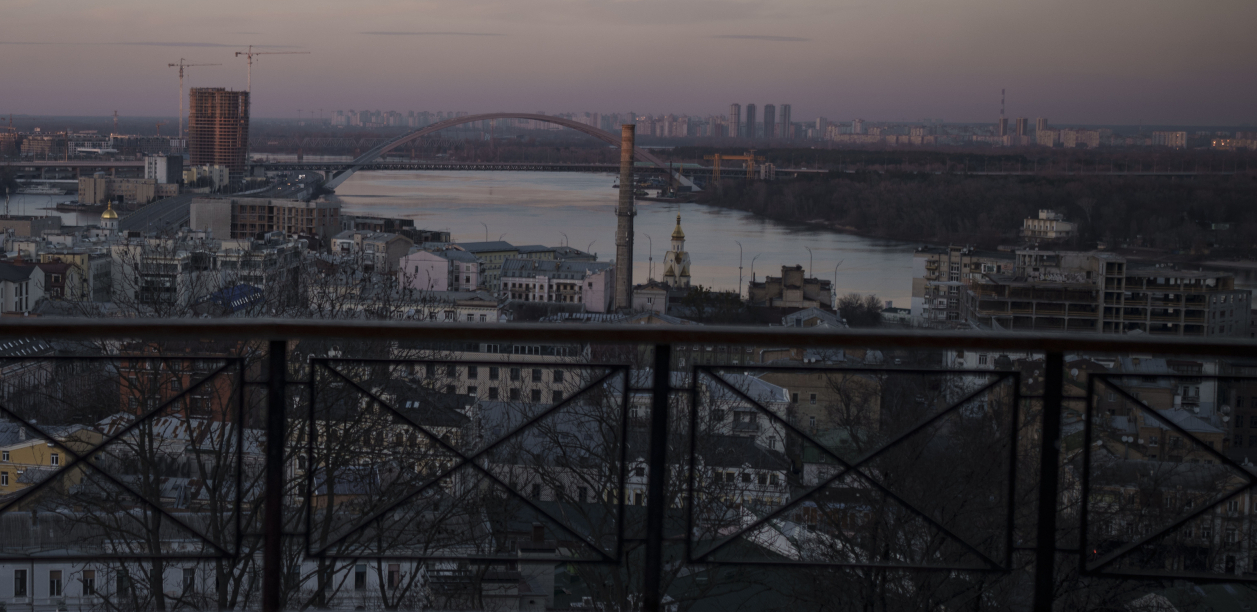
[
  {"x": 218, "y": 128},
  {"x": 590, "y": 284},
  {"x": 791, "y": 290}
]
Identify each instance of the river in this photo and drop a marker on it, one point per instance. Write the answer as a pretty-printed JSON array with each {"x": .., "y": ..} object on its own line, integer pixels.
[{"x": 540, "y": 207}]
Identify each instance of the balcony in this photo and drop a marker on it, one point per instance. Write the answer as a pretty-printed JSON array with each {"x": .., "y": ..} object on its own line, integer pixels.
[{"x": 470, "y": 476}]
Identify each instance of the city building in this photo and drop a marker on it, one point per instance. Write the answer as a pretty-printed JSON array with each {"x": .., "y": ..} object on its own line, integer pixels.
[
  {"x": 1040, "y": 124},
  {"x": 749, "y": 131},
  {"x": 379, "y": 251},
  {"x": 735, "y": 120},
  {"x": 163, "y": 168},
  {"x": 21, "y": 287},
  {"x": 939, "y": 275},
  {"x": 28, "y": 225},
  {"x": 676, "y": 262},
  {"x": 651, "y": 297},
  {"x": 492, "y": 255},
  {"x": 87, "y": 278},
  {"x": 1103, "y": 292},
  {"x": 1001, "y": 128},
  {"x": 770, "y": 121},
  {"x": 589, "y": 284},
  {"x": 1048, "y": 226},
  {"x": 791, "y": 290},
  {"x": 857, "y": 126},
  {"x": 1177, "y": 140},
  {"x": 99, "y": 189},
  {"x": 214, "y": 177},
  {"x": 249, "y": 217},
  {"x": 439, "y": 269},
  {"x": 1023, "y": 126},
  {"x": 218, "y": 128},
  {"x": 787, "y": 128}
]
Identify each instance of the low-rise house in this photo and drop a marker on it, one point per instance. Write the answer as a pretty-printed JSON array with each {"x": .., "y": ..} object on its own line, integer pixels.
[
  {"x": 378, "y": 252},
  {"x": 588, "y": 284}
]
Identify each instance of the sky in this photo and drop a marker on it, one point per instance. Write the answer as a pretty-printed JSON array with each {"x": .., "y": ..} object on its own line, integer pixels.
[{"x": 1180, "y": 62}]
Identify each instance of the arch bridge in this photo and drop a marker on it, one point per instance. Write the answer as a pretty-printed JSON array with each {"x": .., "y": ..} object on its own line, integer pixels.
[{"x": 614, "y": 139}]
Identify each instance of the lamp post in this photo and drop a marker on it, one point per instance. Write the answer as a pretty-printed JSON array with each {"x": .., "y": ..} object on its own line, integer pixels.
[
  {"x": 835, "y": 285},
  {"x": 753, "y": 267},
  {"x": 650, "y": 258},
  {"x": 486, "y": 231},
  {"x": 809, "y": 259},
  {"x": 1126, "y": 440},
  {"x": 565, "y": 238},
  {"x": 739, "y": 268}
]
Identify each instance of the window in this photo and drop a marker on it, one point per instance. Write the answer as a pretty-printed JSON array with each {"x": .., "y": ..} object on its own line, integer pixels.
[
  {"x": 812, "y": 399},
  {"x": 473, "y": 372},
  {"x": 451, "y": 371},
  {"x": 794, "y": 398},
  {"x": 484, "y": 318},
  {"x": 360, "y": 577},
  {"x": 558, "y": 376},
  {"x": 1230, "y": 535},
  {"x": 515, "y": 394},
  {"x": 4, "y": 479},
  {"x": 1233, "y": 506},
  {"x": 429, "y": 370},
  {"x": 394, "y": 575},
  {"x": 761, "y": 478},
  {"x": 639, "y": 472},
  {"x": 54, "y": 583},
  {"x": 536, "y": 395},
  {"x": 472, "y": 391},
  {"x": 89, "y": 582},
  {"x": 536, "y": 491},
  {"x": 471, "y": 318},
  {"x": 582, "y": 493},
  {"x": 981, "y": 359},
  {"x": 514, "y": 373},
  {"x": 4, "y": 456},
  {"x": 811, "y": 421},
  {"x": 189, "y": 580},
  {"x": 19, "y": 583},
  {"x": 54, "y": 459},
  {"x": 746, "y": 477},
  {"x": 557, "y": 396},
  {"x": 493, "y": 393},
  {"x": 536, "y": 375},
  {"x": 122, "y": 584},
  {"x": 494, "y": 373},
  {"x": 1252, "y": 422}
]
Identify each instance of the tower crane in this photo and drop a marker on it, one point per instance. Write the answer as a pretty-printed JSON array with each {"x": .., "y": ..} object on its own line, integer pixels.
[
  {"x": 159, "y": 124},
  {"x": 249, "y": 55},
  {"x": 181, "y": 65}
]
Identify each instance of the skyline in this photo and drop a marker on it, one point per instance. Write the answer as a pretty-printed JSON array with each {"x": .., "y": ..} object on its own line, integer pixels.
[{"x": 1124, "y": 62}]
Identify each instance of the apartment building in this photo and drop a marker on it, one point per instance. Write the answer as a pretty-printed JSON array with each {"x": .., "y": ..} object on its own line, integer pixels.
[
  {"x": 1103, "y": 292},
  {"x": 939, "y": 277},
  {"x": 447, "y": 269},
  {"x": 380, "y": 252},
  {"x": 570, "y": 282},
  {"x": 248, "y": 217}
]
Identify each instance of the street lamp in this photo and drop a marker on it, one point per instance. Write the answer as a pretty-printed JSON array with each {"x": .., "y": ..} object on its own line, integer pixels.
[
  {"x": 809, "y": 259},
  {"x": 650, "y": 257},
  {"x": 591, "y": 246},
  {"x": 1126, "y": 440},
  {"x": 739, "y": 268},
  {"x": 565, "y": 239},
  {"x": 486, "y": 231},
  {"x": 753, "y": 268}
]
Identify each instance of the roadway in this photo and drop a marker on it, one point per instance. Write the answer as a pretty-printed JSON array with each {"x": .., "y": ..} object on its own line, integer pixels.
[{"x": 168, "y": 213}]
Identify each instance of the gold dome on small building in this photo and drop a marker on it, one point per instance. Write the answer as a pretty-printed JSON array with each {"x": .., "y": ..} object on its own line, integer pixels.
[
  {"x": 109, "y": 213},
  {"x": 677, "y": 234}
]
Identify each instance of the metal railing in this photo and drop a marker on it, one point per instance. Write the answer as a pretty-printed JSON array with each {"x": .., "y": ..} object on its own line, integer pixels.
[{"x": 719, "y": 520}]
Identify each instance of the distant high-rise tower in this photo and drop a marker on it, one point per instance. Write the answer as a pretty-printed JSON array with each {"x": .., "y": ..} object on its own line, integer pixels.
[
  {"x": 1001, "y": 129},
  {"x": 218, "y": 128},
  {"x": 770, "y": 121},
  {"x": 857, "y": 126},
  {"x": 735, "y": 120},
  {"x": 749, "y": 131},
  {"x": 787, "y": 128},
  {"x": 1041, "y": 124},
  {"x": 1023, "y": 126}
]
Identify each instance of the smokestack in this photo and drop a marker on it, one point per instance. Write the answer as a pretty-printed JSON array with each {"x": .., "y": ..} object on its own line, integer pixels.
[{"x": 624, "y": 223}]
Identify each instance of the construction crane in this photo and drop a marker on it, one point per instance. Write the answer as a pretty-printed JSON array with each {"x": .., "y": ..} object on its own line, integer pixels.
[
  {"x": 181, "y": 65},
  {"x": 159, "y": 124},
  {"x": 750, "y": 158},
  {"x": 250, "y": 53}
]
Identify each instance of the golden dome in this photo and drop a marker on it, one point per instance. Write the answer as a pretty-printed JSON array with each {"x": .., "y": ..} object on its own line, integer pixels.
[
  {"x": 677, "y": 234},
  {"x": 109, "y": 213}
]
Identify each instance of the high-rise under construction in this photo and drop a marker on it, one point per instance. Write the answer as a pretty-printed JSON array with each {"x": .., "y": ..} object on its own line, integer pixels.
[{"x": 218, "y": 128}]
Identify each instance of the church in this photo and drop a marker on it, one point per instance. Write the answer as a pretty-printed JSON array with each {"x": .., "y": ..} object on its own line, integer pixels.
[{"x": 676, "y": 263}]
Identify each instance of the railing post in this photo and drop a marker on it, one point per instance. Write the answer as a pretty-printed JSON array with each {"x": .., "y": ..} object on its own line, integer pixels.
[
  {"x": 273, "y": 526},
  {"x": 1049, "y": 471},
  {"x": 656, "y": 498}
]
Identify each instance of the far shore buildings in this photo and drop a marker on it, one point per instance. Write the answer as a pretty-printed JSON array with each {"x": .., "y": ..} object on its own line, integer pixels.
[{"x": 1049, "y": 226}]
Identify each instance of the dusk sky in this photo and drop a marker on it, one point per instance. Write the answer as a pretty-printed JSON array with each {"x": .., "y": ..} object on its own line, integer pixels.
[{"x": 1073, "y": 61}]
